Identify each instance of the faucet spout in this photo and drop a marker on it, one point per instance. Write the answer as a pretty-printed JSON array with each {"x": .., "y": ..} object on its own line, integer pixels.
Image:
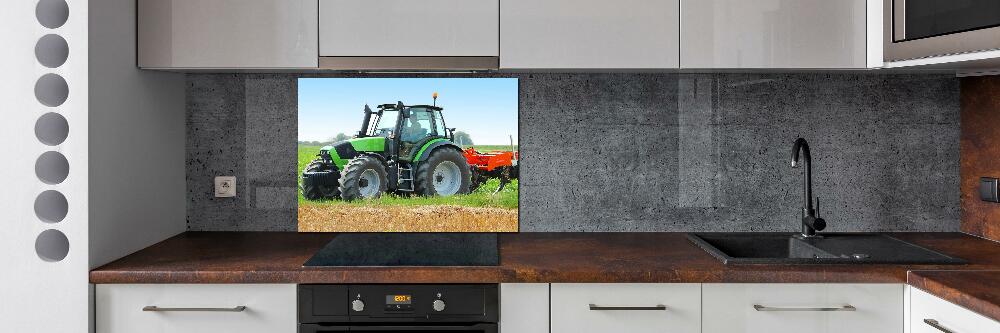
[
  {"x": 802, "y": 146},
  {"x": 810, "y": 222}
]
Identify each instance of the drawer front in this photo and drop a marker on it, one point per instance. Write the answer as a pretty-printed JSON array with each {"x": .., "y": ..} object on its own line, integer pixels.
[
  {"x": 269, "y": 308},
  {"x": 946, "y": 315},
  {"x": 660, "y": 307},
  {"x": 774, "y": 308}
]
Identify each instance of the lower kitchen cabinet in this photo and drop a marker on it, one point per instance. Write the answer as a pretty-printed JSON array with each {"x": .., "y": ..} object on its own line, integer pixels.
[
  {"x": 816, "y": 308},
  {"x": 569, "y": 307},
  {"x": 930, "y": 314},
  {"x": 196, "y": 308},
  {"x": 626, "y": 307}
]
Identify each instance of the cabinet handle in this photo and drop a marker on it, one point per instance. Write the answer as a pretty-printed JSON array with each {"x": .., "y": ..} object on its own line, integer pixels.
[
  {"x": 848, "y": 307},
  {"x": 154, "y": 308},
  {"x": 935, "y": 324},
  {"x": 594, "y": 307}
]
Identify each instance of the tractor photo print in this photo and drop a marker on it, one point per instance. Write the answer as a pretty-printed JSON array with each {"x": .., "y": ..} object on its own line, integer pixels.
[{"x": 408, "y": 155}]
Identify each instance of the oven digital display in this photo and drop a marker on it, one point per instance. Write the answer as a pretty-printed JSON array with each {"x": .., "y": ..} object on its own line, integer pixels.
[{"x": 398, "y": 299}]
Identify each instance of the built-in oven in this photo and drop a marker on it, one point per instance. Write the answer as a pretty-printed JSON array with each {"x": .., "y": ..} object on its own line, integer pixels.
[
  {"x": 928, "y": 28},
  {"x": 386, "y": 308}
]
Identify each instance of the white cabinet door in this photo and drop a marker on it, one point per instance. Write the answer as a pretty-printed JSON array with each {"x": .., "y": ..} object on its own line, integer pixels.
[
  {"x": 570, "y": 34},
  {"x": 269, "y": 308},
  {"x": 927, "y": 310},
  {"x": 227, "y": 33},
  {"x": 409, "y": 28},
  {"x": 625, "y": 307},
  {"x": 524, "y": 308},
  {"x": 773, "y": 34},
  {"x": 777, "y": 308}
]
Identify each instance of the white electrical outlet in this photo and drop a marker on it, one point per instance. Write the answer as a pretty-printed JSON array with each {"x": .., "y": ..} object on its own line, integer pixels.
[{"x": 225, "y": 187}]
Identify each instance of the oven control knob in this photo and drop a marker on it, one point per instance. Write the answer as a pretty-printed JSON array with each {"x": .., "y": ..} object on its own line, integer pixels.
[
  {"x": 438, "y": 305},
  {"x": 358, "y": 305}
]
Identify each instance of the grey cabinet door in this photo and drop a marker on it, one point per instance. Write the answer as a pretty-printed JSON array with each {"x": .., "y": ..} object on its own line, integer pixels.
[
  {"x": 228, "y": 33},
  {"x": 773, "y": 34},
  {"x": 409, "y": 28},
  {"x": 589, "y": 34}
]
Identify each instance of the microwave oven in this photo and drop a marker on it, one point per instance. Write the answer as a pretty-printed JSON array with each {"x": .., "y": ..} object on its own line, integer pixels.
[{"x": 915, "y": 29}]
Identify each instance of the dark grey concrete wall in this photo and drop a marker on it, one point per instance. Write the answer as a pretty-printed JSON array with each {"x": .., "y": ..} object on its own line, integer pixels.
[
  {"x": 640, "y": 152},
  {"x": 243, "y": 126}
]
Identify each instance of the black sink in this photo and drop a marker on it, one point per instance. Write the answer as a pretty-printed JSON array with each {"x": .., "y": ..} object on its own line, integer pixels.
[{"x": 786, "y": 248}]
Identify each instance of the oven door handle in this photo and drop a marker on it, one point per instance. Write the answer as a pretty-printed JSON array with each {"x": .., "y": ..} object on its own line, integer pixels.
[
  {"x": 486, "y": 328},
  {"x": 314, "y": 328}
]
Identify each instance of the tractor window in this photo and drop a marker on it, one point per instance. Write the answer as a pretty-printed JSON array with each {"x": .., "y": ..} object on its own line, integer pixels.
[
  {"x": 418, "y": 126},
  {"x": 438, "y": 124},
  {"x": 386, "y": 124}
]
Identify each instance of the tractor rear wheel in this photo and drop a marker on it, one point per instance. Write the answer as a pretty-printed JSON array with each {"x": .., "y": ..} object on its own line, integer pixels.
[
  {"x": 313, "y": 191},
  {"x": 445, "y": 172},
  {"x": 364, "y": 177}
]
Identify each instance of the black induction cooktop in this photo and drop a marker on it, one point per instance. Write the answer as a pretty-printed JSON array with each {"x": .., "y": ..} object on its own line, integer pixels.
[{"x": 408, "y": 249}]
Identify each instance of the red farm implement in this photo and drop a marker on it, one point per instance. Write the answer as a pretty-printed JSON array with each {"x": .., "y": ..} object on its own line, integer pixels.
[{"x": 494, "y": 164}]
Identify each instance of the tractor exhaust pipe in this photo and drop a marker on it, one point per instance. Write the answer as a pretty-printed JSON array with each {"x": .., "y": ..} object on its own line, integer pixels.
[
  {"x": 511, "y": 143},
  {"x": 364, "y": 124}
]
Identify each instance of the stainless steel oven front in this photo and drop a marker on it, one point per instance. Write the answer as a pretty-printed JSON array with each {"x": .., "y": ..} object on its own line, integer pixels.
[{"x": 915, "y": 29}]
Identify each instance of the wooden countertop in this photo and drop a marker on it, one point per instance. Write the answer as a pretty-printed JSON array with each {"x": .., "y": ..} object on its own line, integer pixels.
[
  {"x": 978, "y": 291},
  {"x": 277, "y": 257}
]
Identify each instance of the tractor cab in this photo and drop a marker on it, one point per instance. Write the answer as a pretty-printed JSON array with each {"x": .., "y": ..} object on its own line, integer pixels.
[
  {"x": 421, "y": 123},
  {"x": 383, "y": 124},
  {"x": 405, "y": 127}
]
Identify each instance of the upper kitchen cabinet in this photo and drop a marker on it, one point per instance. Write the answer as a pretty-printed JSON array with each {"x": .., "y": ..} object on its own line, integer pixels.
[
  {"x": 206, "y": 34},
  {"x": 409, "y": 34},
  {"x": 779, "y": 34},
  {"x": 589, "y": 34}
]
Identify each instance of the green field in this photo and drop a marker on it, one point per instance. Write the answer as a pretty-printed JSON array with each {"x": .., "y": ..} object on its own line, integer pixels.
[{"x": 482, "y": 197}]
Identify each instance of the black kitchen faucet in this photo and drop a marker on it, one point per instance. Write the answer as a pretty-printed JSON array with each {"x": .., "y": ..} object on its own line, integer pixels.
[{"x": 810, "y": 221}]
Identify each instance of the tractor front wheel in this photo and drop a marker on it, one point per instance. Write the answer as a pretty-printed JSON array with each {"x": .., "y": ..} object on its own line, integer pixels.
[
  {"x": 322, "y": 181},
  {"x": 364, "y": 177},
  {"x": 445, "y": 172}
]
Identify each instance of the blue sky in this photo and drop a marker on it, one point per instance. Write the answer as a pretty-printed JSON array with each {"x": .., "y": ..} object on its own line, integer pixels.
[{"x": 486, "y": 108}]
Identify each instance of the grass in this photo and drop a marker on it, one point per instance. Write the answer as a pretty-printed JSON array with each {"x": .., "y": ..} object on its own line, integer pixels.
[{"x": 482, "y": 197}]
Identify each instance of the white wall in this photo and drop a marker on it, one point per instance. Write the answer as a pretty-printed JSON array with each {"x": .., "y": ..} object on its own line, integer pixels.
[
  {"x": 137, "y": 187},
  {"x": 38, "y": 295},
  {"x": 124, "y": 124}
]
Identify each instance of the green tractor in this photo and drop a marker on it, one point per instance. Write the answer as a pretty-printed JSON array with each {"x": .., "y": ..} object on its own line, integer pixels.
[{"x": 399, "y": 149}]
